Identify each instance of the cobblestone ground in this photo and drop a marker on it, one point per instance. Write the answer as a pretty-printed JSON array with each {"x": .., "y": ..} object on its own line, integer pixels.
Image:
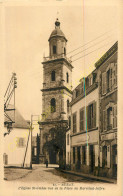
[{"x": 40, "y": 173}]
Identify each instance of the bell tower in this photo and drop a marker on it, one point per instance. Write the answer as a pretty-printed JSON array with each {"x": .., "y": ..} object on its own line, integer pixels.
[
  {"x": 57, "y": 46},
  {"x": 56, "y": 92}
]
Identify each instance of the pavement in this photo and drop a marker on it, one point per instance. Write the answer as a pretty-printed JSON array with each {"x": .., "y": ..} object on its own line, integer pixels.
[
  {"x": 52, "y": 174},
  {"x": 90, "y": 176}
]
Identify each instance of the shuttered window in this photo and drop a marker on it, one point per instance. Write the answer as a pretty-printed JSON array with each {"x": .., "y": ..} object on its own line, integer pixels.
[
  {"x": 109, "y": 118},
  {"x": 82, "y": 123},
  {"x": 91, "y": 116},
  {"x": 74, "y": 123},
  {"x": 114, "y": 116},
  {"x": 104, "y": 120},
  {"x": 103, "y": 83}
]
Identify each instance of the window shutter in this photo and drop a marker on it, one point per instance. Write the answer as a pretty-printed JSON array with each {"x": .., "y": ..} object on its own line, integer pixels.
[
  {"x": 96, "y": 155},
  {"x": 110, "y": 83},
  {"x": 103, "y": 83},
  {"x": 113, "y": 75},
  {"x": 113, "y": 116},
  {"x": 116, "y": 73},
  {"x": 86, "y": 118},
  {"x": 100, "y": 156},
  {"x": 104, "y": 120},
  {"x": 111, "y": 113},
  {"x": 116, "y": 115},
  {"x": 94, "y": 115},
  {"x": 114, "y": 108},
  {"x": 108, "y": 156}
]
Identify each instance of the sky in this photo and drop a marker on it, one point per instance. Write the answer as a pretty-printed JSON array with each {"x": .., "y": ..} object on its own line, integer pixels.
[{"x": 27, "y": 29}]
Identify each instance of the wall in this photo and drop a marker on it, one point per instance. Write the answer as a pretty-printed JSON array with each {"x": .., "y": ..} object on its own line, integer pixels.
[
  {"x": 93, "y": 96},
  {"x": 15, "y": 153}
]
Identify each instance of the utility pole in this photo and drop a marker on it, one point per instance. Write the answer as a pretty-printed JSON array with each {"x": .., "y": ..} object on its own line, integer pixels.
[
  {"x": 7, "y": 98},
  {"x": 31, "y": 142}
]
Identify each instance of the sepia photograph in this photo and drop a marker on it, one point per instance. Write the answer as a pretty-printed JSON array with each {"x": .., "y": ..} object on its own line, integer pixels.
[{"x": 61, "y": 96}]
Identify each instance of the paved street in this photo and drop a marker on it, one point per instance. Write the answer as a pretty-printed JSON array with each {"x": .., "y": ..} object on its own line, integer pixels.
[{"x": 40, "y": 173}]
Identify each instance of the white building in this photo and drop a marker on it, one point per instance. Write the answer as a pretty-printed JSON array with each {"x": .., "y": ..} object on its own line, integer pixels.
[
  {"x": 17, "y": 144},
  {"x": 84, "y": 131}
]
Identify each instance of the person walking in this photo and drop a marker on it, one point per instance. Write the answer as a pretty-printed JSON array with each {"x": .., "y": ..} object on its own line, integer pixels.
[{"x": 46, "y": 163}]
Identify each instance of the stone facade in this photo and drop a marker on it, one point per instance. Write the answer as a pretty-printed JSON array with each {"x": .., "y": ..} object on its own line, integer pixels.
[
  {"x": 108, "y": 112},
  {"x": 56, "y": 93},
  {"x": 93, "y": 132}
]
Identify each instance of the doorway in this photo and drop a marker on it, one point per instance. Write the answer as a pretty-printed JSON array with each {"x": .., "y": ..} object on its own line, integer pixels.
[
  {"x": 52, "y": 156},
  {"x": 114, "y": 160},
  {"x": 92, "y": 158},
  {"x": 78, "y": 158}
]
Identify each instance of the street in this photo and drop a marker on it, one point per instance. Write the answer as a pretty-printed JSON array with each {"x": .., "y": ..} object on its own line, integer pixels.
[{"x": 40, "y": 173}]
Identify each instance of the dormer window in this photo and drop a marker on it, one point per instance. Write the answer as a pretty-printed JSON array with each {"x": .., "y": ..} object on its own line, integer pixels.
[
  {"x": 53, "y": 76},
  {"x": 90, "y": 81},
  {"x": 77, "y": 92},
  {"x": 82, "y": 87},
  {"x": 54, "y": 49}
]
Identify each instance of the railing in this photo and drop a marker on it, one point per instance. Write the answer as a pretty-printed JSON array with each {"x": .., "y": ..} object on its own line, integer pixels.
[{"x": 57, "y": 57}]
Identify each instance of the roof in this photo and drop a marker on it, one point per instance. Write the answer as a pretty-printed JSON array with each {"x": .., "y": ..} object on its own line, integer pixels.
[
  {"x": 110, "y": 52},
  {"x": 57, "y": 31},
  {"x": 20, "y": 122}
]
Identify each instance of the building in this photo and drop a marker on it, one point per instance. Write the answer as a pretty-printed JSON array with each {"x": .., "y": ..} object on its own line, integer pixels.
[
  {"x": 107, "y": 69},
  {"x": 84, "y": 131},
  {"x": 93, "y": 133},
  {"x": 17, "y": 144},
  {"x": 56, "y": 95}
]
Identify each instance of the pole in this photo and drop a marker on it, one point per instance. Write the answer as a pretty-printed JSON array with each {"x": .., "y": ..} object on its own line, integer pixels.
[{"x": 31, "y": 143}]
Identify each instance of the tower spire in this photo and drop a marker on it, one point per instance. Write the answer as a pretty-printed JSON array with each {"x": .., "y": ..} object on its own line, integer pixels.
[{"x": 57, "y": 23}]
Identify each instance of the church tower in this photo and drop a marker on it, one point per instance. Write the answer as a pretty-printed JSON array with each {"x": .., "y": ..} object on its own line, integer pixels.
[{"x": 56, "y": 92}]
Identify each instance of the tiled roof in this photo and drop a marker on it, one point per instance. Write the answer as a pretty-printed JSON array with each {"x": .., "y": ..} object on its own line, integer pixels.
[{"x": 20, "y": 122}]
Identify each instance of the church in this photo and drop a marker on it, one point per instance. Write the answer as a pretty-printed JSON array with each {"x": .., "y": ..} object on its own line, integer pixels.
[{"x": 56, "y": 96}]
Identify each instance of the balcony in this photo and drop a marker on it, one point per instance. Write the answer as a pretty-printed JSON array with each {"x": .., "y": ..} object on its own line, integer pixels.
[{"x": 55, "y": 57}]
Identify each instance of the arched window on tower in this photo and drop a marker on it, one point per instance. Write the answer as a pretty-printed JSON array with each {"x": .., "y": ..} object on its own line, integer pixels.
[
  {"x": 53, "y": 76},
  {"x": 64, "y": 51},
  {"x": 54, "y": 49},
  {"x": 53, "y": 105},
  {"x": 67, "y": 77},
  {"x": 67, "y": 105}
]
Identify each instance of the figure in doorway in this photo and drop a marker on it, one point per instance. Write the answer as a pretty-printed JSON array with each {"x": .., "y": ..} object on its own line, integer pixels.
[{"x": 46, "y": 162}]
